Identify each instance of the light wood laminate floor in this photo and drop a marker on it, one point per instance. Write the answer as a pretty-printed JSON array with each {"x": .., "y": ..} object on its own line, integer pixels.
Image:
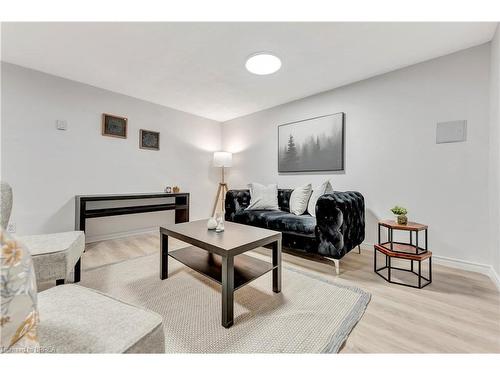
[{"x": 458, "y": 313}]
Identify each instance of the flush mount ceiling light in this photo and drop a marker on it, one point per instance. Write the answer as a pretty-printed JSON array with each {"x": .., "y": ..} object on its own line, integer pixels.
[{"x": 263, "y": 63}]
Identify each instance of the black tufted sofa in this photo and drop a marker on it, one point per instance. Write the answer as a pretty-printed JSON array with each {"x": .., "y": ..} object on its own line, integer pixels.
[{"x": 339, "y": 225}]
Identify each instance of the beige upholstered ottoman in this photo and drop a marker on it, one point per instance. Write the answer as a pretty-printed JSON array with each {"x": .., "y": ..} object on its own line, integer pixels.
[
  {"x": 74, "y": 319},
  {"x": 55, "y": 255}
]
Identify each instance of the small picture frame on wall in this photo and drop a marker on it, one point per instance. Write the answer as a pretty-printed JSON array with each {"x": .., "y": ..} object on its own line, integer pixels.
[
  {"x": 114, "y": 126},
  {"x": 149, "y": 140}
]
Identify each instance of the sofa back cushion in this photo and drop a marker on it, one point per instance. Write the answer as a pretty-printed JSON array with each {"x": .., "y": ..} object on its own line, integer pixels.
[
  {"x": 318, "y": 191},
  {"x": 299, "y": 199},
  {"x": 263, "y": 197}
]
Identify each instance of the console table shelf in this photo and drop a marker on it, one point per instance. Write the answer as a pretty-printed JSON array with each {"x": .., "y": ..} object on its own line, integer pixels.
[{"x": 180, "y": 205}]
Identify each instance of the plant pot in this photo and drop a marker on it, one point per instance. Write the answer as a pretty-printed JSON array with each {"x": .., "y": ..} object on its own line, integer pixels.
[{"x": 402, "y": 219}]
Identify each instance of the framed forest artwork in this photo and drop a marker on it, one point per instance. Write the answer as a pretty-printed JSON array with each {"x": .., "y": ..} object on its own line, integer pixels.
[{"x": 312, "y": 145}]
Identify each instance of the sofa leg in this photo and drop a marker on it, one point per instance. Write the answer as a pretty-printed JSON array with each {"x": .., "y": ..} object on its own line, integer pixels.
[
  {"x": 359, "y": 249},
  {"x": 337, "y": 266}
]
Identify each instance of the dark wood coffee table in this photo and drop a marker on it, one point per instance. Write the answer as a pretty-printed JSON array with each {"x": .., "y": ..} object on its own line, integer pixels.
[{"x": 219, "y": 256}]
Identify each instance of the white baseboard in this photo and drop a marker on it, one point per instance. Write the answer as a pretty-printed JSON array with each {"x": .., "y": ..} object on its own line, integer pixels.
[
  {"x": 112, "y": 236},
  {"x": 465, "y": 265}
]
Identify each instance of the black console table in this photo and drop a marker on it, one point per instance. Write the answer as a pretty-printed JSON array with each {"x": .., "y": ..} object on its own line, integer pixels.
[{"x": 181, "y": 206}]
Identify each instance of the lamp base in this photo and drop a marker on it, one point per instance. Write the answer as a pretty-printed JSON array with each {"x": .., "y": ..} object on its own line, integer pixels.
[{"x": 221, "y": 196}]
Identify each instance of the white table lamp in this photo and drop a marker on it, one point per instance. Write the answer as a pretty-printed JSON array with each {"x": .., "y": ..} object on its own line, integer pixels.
[{"x": 222, "y": 160}]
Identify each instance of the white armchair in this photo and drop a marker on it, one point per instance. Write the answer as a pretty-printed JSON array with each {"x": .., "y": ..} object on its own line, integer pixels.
[{"x": 55, "y": 255}]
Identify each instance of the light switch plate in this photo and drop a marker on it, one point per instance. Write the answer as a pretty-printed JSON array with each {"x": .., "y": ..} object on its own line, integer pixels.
[
  {"x": 451, "y": 131},
  {"x": 61, "y": 125}
]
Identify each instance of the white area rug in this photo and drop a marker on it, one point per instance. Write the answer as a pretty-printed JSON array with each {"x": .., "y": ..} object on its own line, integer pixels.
[{"x": 310, "y": 315}]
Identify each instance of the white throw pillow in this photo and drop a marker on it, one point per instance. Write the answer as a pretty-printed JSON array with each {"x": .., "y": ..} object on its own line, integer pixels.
[
  {"x": 318, "y": 191},
  {"x": 299, "y": 198},
  {"x": 263, "y": 197}
]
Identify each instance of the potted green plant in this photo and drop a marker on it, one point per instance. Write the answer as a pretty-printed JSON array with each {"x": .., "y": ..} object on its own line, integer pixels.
[{"x": 400, "y": 213}]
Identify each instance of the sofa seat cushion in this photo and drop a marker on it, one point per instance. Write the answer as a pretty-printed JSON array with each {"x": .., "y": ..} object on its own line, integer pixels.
[
  {"x": 288, "y": 222},
  {"x": 277, "y": 220},
  {"x": 256, "y": 218},
  {"x": 74, "y": 319},
  {"x": 55, "y": 255}
]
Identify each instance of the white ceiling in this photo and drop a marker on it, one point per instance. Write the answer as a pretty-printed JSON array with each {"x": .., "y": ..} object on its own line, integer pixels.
[{"x": 200, "y": 67}]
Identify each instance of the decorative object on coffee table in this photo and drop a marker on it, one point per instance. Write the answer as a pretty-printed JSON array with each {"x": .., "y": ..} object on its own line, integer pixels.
[
  {"x": 219, "y": 256},
  {"x": 400, "y": 213},
  {"x": 149, "y": 140},
  {"x": 411, "y": 251},
  {"x": 211, "y": 223},
  {"x": 114, "y": 126},
  {"x": 222, "y": 160},
  {"x": 176, "y": 189},
  {"x": 168, "y": 189},
  {"x": 219, "y": 218}
]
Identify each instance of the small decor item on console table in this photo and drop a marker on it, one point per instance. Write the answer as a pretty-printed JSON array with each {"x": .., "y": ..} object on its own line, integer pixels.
[
  {"x": 402, "y": 250},
  {"x": 176, "y": 189},
  {"x": 168, "y": 189},
  {"x": 400, "y": 213}
]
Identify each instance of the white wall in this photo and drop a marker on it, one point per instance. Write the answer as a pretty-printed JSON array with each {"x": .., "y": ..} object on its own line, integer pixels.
[
  {"x": 48, "y": 167},
  {"x": 494, "y": 164},
  {"x": 391, "y": 154}
]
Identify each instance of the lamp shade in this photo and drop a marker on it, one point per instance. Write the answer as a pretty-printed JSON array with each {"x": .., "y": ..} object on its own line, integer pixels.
[{"x": 223, "y": 159}]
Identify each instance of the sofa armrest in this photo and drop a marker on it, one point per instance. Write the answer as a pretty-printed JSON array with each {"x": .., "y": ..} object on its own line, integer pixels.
[
  {"x": 340, "y": 218},
  {"x": 236, "y": 200}
]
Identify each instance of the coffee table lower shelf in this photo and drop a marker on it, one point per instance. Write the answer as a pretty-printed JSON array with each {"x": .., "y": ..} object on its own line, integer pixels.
[{"x": 246, "y": 268}]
